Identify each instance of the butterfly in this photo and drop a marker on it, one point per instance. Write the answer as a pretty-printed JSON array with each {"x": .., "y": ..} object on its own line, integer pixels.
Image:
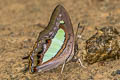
[{"x": 55, "y": 44}]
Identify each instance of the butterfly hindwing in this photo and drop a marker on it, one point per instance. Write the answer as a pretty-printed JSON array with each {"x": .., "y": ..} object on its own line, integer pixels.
[{"x": 55, "y": 43}]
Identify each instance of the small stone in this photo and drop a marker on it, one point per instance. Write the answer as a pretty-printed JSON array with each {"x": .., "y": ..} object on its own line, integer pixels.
[
  {"x": 90, "y": 78},
  {"x": 118, "y": 72},
  {"x": 115, "y": 72}
]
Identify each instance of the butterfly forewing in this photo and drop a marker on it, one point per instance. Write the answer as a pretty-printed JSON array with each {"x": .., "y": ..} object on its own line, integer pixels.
[{"x": 55, "y": 44}]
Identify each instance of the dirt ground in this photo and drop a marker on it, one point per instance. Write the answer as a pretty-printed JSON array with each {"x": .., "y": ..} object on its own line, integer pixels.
[{"x": 22, "y": 20}]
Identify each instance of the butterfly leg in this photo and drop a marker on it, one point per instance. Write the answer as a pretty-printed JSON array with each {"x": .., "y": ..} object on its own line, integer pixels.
[
  {"x": 63, "y": 66},
  {"x": 76, "y": 45},
  {"x": 26, "y": 68},
  {"x": 81, "y": 31},
  {"x": 81, "y": 63},
  {"x": 75, "y": 59}
]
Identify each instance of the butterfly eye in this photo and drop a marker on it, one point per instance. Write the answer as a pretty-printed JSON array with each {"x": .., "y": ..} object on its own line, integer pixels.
[{"x": 62, "y": 22}]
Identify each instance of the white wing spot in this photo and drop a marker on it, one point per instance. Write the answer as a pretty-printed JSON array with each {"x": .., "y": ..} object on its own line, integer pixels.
[
  {"x": 62, "y": 22},
  {"x": 60, "y": 15}
]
